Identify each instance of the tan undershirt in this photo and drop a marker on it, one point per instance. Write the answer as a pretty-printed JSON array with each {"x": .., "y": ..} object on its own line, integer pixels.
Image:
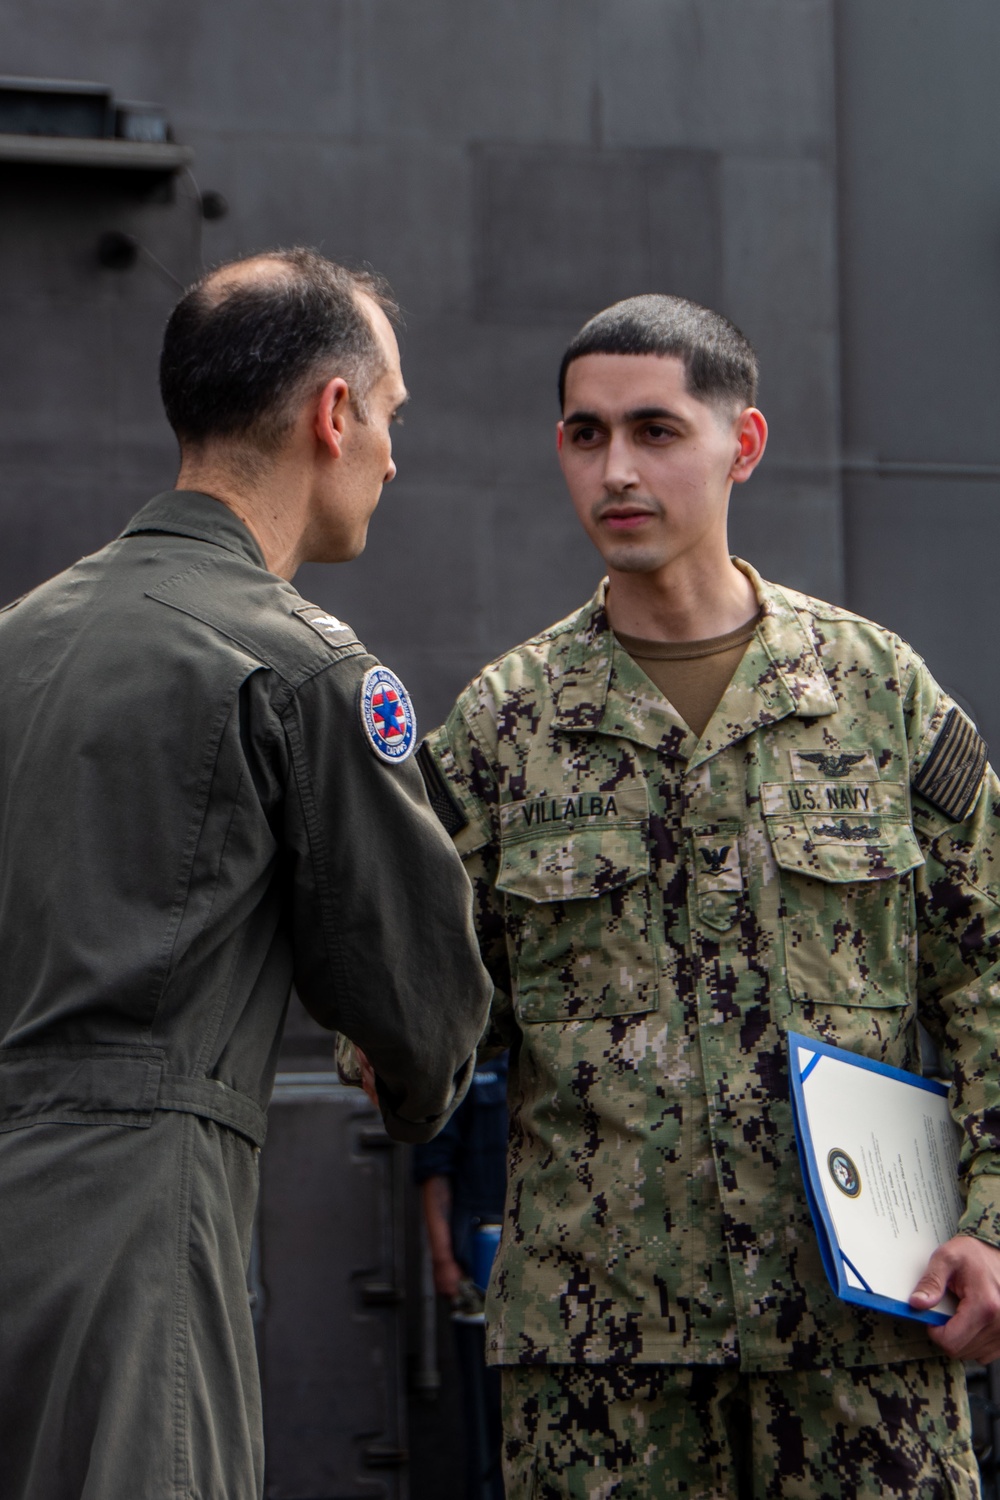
[{"x": 692, "y": 675}]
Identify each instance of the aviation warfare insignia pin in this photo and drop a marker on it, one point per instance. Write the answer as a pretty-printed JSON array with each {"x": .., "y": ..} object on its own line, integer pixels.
[{"x": 387, "y": 715}]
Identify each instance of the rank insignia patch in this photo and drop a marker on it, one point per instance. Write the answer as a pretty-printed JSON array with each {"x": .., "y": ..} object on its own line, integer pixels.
[
  {"x": 950, "y": 776},
  {"x": 333, "y": 631},
  {"x": 387, "y": 715}
]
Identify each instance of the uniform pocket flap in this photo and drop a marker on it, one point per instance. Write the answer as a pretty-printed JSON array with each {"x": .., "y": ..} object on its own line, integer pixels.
[
  {"x": 841, "y": 830},
  {"x": 573, "y": 865},
  {"x": 849, "y": 857}
]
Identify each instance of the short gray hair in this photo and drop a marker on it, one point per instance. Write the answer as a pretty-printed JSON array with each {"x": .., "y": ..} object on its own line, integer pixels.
[{"x": 241, "y": 352}]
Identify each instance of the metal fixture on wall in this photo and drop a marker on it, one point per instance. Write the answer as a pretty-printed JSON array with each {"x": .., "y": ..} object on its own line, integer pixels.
[
  {"x": 62, "y": 122},
  {"x": 47, "y": 122},
  {"x": 118, "y": 250}
]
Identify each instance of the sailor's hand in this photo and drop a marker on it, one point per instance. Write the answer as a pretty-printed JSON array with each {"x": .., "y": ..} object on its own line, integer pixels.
[
  {"x": 970, "y": 1270},
  {"x": 367, "y": 1076}
]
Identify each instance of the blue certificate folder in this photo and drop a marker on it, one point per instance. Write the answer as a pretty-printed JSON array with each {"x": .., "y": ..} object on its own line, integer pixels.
[{"x": 879, "y": 1156}]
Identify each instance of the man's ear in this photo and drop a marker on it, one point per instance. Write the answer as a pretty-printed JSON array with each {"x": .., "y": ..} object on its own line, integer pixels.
[
  {"x": 560, "y": 435},
  {"x": 751, "y": 435},
  {"x": 331, "y": 414}
]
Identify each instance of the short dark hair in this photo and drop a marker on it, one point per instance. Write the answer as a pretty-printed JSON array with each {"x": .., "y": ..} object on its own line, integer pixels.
[
  {"x": 240, "y": 353},
  {"x": 720, "y": 362}
]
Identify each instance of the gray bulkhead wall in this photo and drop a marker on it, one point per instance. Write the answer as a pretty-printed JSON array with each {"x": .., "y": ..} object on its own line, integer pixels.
[
  {"x": 510, "y": 167},
  {"x": 919, "y": 116}
]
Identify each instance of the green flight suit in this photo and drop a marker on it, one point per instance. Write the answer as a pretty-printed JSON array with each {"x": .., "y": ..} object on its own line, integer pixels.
[
  {"x": 191, "y": 816},
  {"x": 657, "y": 911}
]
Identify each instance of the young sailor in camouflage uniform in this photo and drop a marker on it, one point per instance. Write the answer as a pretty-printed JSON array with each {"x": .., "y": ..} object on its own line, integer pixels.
[{"x": 777, "y": 821}]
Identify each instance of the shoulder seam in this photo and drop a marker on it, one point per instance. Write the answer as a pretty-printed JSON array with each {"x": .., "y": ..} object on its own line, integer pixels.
[{"x": 315, "y": 657}]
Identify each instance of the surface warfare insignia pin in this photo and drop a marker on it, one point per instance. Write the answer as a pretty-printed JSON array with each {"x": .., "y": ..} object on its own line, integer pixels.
[{"x": 387, "y": 715}]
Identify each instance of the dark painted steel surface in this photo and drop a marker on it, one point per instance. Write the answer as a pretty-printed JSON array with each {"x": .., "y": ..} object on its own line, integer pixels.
[
  {"x": 329, "y": 1276},
  {"x": 919, "y": 115}
]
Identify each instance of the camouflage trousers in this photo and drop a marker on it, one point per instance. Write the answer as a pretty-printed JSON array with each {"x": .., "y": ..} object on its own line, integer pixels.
[{"x": 643, "y": 1432}]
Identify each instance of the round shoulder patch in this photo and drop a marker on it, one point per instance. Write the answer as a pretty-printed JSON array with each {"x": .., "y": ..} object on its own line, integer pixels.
[{"x": 387, "y": 715}]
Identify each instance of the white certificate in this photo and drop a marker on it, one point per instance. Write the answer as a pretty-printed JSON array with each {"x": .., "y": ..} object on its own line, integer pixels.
[{"x": 879, "y": 1153}]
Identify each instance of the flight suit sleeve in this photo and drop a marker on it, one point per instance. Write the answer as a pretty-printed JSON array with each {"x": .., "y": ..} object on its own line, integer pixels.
[
  {"x": 956, "y": 817},
  {"x": 384, "y": 945},
  {"x": 439, "y": 1157},
  {"x": 457, "y": 766}
]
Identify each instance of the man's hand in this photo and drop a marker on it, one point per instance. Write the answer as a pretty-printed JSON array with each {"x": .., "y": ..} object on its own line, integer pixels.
[
  {"x": 435, "y": 1194},
  {"x": 367, "y": 1076},
  {"x": 447, "y": 1276},
  {"x": 970, "y": 1270}
]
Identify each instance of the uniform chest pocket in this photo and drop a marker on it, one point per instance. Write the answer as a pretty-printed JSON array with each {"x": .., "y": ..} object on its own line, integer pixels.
[
  {"x": 845, "y": 853},
  {"x": 581, "y": 924}
]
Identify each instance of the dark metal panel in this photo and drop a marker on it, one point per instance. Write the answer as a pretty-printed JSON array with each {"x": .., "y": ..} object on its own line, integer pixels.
[
  {"x": 562, "y": 231},
  {"x": 923, "y": 559},
  {"x": 919, "y": 119},
  {"x": 919, "y": 116},
  {"x": 329, "y": 1277},
  {"x": 83, "y": 440}
]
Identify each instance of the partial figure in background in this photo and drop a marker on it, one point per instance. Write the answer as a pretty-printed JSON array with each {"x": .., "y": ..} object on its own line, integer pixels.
[
  {"x": 462, "y": 1176},
  {"x": 206, "y": 791}
]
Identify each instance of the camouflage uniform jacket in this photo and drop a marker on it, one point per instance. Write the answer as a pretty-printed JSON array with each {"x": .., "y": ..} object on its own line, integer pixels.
[{"x": 656, "y": 911}]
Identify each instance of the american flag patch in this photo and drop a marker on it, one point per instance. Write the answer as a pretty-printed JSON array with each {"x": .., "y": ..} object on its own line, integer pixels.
[{"x": 950, "y": 776}]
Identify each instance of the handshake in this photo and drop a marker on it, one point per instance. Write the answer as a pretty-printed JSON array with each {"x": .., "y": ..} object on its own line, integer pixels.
[{"x": 353, "y": 1067}]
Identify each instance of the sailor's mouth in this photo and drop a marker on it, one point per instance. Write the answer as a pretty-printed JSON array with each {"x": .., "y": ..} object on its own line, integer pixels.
[{"x": 625, "y": 518}]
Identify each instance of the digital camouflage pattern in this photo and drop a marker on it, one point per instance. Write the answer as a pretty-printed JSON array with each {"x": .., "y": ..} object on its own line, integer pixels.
[
  {"x": 644, "y": 1432},
  {"x": 656, "y": 911}
]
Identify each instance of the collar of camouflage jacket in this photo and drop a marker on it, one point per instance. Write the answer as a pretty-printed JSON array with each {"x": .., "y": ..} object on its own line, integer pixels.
[
  {"x": 602, "y": 690},
  {"x": 190, "y": 513}
]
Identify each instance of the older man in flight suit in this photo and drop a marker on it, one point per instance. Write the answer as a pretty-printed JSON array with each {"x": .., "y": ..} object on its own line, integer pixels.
[
  {"x": 205, "y": 790},
  {"x": 699, "y": 812}
]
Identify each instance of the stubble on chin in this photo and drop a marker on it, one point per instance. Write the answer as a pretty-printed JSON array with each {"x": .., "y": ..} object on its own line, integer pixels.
[
  {"x": 627, "y": 554},
  {"x": 636, "y": 559}
]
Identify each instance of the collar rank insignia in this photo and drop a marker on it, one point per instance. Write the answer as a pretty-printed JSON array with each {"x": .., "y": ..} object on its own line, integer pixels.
[
  {"x": 333, "y": 631},
  {"x": 387, "y": 715}
]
